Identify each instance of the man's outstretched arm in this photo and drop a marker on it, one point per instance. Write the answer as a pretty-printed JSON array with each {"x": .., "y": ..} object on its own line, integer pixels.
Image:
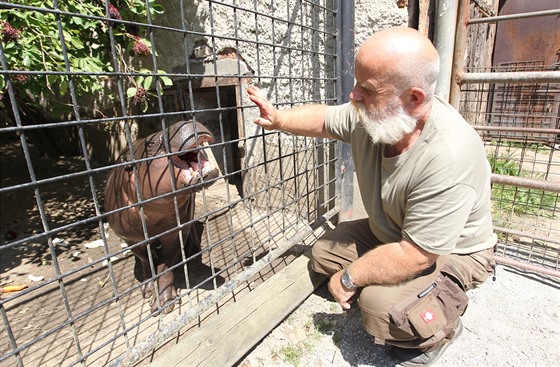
[{"x": 306, "y": 120}]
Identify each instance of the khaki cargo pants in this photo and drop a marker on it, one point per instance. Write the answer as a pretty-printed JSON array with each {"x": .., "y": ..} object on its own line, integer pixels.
[{"x": 420, "y": 313}]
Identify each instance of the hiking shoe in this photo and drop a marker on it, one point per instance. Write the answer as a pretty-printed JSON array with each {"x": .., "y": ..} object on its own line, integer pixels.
[{"x": 416, "y": 357}]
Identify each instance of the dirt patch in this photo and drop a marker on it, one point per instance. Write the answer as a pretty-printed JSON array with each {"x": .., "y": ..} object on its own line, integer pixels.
[{"x": 513, "y": 321}]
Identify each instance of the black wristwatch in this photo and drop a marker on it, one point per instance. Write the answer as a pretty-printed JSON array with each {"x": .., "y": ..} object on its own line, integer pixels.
[{"x": 346, "y": 280}]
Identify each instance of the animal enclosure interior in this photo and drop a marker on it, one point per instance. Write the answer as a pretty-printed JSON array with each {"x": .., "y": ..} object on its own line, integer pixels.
[{"x": 76, "y": 293}]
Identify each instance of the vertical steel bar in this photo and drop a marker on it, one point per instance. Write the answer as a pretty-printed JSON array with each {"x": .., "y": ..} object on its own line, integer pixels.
[
  {"x": 61, "y": 283},
  {"x": 11, "y": 336},
  {"x": 250, "y": 186},
  {"x": 187, "y": 61},
  {"x": 116, "y": 54},
  {"x": 222, "y": 147},
  {"x": 345, "y": 50},
  {"x": 459, "y": 54},
  {"x": 444, "y": 40},
  {"x": 17, "y": 118}
]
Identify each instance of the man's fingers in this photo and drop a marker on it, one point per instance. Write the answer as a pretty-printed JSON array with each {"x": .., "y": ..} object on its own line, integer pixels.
[
  {"x": 254, "y": 92},
  {"x": 346, "y": 305},
  {"x": 262, "y": 122},
  {"x": 266, "y": 118},
  {"x": 261, "y": 102}
]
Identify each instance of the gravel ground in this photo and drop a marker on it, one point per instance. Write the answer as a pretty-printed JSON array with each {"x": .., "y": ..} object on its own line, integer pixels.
[{"x": 512, "y": 321}]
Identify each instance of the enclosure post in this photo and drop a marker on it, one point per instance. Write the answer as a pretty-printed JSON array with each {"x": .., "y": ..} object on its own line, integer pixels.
[
  {"x": 459, "y": 54},
  {"x": 444, "y": 40},
  {"x": 345, "y": 83}
]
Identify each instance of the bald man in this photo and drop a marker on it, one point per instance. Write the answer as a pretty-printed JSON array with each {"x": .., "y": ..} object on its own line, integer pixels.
[{"x": 425, "y": 183}]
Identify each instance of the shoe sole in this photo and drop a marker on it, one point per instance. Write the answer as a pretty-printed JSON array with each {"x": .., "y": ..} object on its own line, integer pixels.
[{"x": 440, "y": 353}]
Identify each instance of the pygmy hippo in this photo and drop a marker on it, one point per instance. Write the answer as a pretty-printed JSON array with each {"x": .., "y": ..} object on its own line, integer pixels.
[{"x": 191, "y": 171}]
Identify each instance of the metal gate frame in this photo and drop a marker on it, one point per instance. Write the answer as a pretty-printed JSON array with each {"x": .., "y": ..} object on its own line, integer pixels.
[{"x": 453, "y": 77}]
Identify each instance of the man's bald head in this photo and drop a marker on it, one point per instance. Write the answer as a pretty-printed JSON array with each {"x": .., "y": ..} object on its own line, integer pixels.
[{"x": 402, "y": 57}]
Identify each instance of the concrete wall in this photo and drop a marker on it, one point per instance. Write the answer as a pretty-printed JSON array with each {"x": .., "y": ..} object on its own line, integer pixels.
[
  {"x": 270, "y": 44},
  {"x": 292, "y": 63}
]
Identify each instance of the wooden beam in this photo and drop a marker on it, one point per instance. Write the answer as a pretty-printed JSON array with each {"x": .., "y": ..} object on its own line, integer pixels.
[
  {"x": 228, "y": 336},
  {"x": 424, "y": 18}
]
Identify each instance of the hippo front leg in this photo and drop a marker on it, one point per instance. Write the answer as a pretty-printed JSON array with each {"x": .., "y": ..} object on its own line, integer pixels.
[
  {"x": 169, "y": 254},
  {"x": 142, "y": 258},
  {"x": 168, "y": 295},
  {"x": 165, "y": 280}
]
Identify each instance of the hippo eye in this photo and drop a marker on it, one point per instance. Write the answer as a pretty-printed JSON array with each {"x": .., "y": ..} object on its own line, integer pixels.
[{"x": 150, "y": 146}]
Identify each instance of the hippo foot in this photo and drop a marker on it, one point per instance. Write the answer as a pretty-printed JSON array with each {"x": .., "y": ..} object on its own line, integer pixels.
[
  {"x": 148, "y": 290},
  {"x": 168, "y": 297}
]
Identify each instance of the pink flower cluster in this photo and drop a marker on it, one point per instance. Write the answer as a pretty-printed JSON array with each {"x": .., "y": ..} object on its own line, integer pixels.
[
  {"x": 140, "y": 48},
  {"x": 114, "y": 12},
  {"x": 9, "y": 33},
  {"x": 141, "y": 95}
]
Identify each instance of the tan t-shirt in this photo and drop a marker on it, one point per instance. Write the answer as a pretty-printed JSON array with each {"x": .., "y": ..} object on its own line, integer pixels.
[{"x": 436, "y": 194}]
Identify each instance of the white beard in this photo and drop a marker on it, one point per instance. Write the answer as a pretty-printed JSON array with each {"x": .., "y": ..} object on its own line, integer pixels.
[{"x": 386, "y": 126}]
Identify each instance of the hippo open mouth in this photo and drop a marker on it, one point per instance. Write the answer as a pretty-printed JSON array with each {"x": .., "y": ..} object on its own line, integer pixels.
[
  {"x": 189, "y": 160},
  {"x": 194, "y": 166}
]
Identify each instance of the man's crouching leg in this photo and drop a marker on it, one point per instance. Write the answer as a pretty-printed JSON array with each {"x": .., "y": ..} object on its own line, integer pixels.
[
  {"x": 429, "y": 337},
  {"x": 419, "y": 317},
  {"x": 338, "y": 248},
  {"x": 377, "y": 302}
]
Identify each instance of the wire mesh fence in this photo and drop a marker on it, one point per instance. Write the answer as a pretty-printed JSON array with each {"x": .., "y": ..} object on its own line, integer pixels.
[
  {"x": 519, "y": 124},
  {"x": 91, "y": 89}
]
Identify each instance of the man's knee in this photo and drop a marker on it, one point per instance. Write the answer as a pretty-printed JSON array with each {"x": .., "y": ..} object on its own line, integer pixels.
[
  {"x": 323, "y": 259},
  {"x": 375, "y": 303}
]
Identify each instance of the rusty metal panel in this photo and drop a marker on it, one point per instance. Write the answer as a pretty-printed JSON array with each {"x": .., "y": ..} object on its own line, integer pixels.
[{"x": 529, "y": 38}]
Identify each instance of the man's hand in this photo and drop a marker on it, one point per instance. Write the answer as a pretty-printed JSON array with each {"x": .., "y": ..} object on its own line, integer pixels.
[
  {"x": 269, "y": 115},
  {"x": 340, "y": 294}
]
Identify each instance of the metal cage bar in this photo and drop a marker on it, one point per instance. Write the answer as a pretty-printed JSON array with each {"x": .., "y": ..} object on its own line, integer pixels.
[
  {"x": 273, "y": 191},
  {"x": 514, "y": 108}
]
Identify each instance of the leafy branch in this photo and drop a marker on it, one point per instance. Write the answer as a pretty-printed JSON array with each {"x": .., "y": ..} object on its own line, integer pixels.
[{"x": 32, "y": 42}]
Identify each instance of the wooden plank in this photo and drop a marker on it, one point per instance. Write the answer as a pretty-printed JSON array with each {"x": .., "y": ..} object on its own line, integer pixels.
[
  {"x": 228, "y": 336},
  {"x": 424, "y": 17}
]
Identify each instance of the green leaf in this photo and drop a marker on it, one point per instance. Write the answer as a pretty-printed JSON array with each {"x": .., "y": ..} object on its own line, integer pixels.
[
  {"x": 52, "y": 79},
  {"x": 76, "y": 43},
  {"x": 145, "y": 107},
  {"x": 148, "y": 82},
  {"x": 131, "y": 92},
  {"x": 77, "y": 20},
  {"x": 26, "y": 60},
  {"x": 63, "y": 87},
  {"x": 157, "y": 8},
  {"x": 166, "y": 81}
]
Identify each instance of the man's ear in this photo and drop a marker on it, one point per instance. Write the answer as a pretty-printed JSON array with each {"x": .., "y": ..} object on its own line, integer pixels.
[{"x": 415, "y": 98}]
